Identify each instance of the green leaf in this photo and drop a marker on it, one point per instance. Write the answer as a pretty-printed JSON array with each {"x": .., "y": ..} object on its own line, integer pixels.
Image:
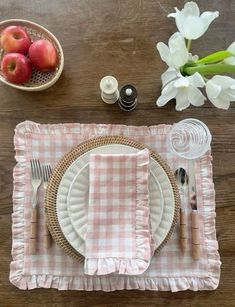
[
  {"x": 210, "y": 69},
  {"x": 215, "y": 57}
]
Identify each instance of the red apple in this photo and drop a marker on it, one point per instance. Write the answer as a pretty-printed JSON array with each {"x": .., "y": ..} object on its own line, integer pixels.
[
  {"x": 15, "y": 39},
  {"x": 16, "y": 68},
  {"x": 43, "y": 55}
]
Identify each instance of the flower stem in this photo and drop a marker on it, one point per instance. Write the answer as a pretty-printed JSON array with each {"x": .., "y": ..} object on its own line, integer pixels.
[
  {"x": 189, "y": 43},
  {"x": 210, "y": 69},
  {"x": 215, "y": 57}
]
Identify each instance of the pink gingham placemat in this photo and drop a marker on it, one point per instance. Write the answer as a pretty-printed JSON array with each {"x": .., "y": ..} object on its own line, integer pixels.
[
  {"x": 169, "y": 270},
  {"x": 118, "y": 238}
]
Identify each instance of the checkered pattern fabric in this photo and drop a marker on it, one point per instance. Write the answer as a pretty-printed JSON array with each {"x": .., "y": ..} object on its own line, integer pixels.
[
  {"x": 118, "y": 233},
  {"x": 168, "y": 270}
]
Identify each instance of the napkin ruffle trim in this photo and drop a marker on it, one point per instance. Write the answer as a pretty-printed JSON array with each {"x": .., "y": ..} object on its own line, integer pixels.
[
  {"x": 105, "y": 266},
  {"x": 108, "y": 282},
  {"x": 142, "y": 226}
]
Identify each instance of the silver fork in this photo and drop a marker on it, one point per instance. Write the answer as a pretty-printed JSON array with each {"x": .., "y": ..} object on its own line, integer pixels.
[
  {"x": 46, "y": 173},
  {"x": 36, "y": 180}
]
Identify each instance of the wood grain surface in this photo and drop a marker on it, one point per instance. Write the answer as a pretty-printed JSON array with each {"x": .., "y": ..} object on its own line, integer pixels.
[{"x": 117, "y": 37}]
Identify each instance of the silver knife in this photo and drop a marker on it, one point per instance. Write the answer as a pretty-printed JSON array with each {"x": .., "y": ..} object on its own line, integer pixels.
[{"x": 195, "y": 217}]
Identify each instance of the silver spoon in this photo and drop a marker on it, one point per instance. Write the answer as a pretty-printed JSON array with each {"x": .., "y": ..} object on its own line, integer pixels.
[{"x": 182, "y": 181}]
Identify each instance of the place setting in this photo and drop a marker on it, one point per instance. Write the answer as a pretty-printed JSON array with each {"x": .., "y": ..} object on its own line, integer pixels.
[{"x": 110, "y": 205}]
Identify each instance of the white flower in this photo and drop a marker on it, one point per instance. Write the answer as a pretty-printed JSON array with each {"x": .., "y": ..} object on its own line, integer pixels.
[
  {"x": 169, "y": 75},
  {"x": 231, "y": 60},
  {"x": 184, "y": 89},
  {"x": 221, "y": 91},
  {"x": 190, "y": 23},
  {"x": 176, "y": 55}
]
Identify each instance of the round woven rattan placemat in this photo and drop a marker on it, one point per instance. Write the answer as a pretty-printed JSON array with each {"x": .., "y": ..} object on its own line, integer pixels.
[{"x": 67, "y": 160}]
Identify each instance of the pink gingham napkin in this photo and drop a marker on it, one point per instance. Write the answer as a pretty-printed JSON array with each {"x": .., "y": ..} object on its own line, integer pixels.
[
  {"x": 169, "y": 270},
  {"x": 118, "y": 232}
]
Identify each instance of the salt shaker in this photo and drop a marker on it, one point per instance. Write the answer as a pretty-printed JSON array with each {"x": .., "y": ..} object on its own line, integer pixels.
[{"x": 109, "y": 89}]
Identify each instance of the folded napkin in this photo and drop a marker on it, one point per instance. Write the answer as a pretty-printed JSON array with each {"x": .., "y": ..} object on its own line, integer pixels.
[{"x": 118, "y": 237}]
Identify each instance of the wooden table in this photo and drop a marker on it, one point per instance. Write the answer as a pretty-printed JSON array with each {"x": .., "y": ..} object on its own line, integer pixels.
[{"x": 101, "y": 37}]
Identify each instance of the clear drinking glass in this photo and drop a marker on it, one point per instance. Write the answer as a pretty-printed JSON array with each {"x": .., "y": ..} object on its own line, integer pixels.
[{"x": 189, "y": 138}]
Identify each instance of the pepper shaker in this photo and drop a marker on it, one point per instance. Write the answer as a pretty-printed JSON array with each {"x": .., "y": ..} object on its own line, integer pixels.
[{"x": 128, "y": 98}]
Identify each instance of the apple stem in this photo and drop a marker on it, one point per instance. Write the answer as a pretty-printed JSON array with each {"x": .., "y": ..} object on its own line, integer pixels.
[{"x": 16, "y": 36}]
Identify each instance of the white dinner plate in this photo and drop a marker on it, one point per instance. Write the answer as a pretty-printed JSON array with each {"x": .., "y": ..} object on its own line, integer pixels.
[{"x": 72, "y": 198}]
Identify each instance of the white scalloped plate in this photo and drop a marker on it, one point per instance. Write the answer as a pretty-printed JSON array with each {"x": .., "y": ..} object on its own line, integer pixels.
[{"x": 161, "y": 216}]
